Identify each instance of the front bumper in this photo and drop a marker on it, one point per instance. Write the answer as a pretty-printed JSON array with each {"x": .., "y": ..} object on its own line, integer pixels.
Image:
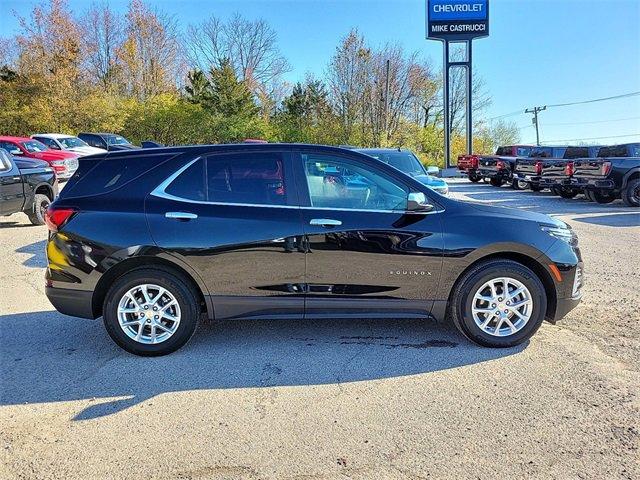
[{"x": 75, "y": 303}]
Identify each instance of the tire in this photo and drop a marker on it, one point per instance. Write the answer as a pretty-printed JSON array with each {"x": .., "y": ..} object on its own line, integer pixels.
[
  {"x": 474, "y": 178},
  {"x": 603, "y": 198},
  {"x": 567, "y": 192},
  {"x": 187, "y": 310},
  {"x": 535, "y": 187},
  {"x": 496, "y": 182},
  {"x": 519, "y": 184},
  {"x": 631, "y": 194},
  {"x": 462, "y": 300},
  {"x": 555, "y": 191},
  {"x": 40, "y": 204},
  {"x": 589, "y": 195}
]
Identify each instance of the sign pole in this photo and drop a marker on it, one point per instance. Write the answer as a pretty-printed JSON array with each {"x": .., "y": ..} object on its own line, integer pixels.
[
  {"x": 445, "y": 115},
  {"x": 457, "y": 21}
]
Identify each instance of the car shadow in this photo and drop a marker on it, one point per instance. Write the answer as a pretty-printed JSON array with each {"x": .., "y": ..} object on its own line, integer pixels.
[
  {"x": 618, "y": 220},
  {"x": 38, "y": 257},
  {"x": 49, "y": 357}
]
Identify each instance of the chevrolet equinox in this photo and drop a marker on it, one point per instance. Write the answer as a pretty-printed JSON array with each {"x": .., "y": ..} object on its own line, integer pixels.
[{"x": 154, "y": 240}]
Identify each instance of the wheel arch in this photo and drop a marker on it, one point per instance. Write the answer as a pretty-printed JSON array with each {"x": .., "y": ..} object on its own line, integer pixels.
[
  {"x": 529, "y": 262},
  {"x": 125, "y": 266},
  {"x": 633, "y": 174},
  {"x": 45, "y": 189}
]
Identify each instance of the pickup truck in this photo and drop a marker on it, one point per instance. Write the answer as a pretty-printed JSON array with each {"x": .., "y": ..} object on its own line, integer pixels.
[
  {"x": 557, "y": 173},
  {"x": 497, "y": 168},
  {"x": 541, "y": 159},
  {"x": 63, "y": 163},
  {"x": 615, "y": 173},
  {"x": 26, "y": 185}
]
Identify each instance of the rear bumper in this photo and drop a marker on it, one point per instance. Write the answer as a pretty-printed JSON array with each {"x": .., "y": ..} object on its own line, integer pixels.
[
  {"x": 595, "y": 184},
  {"x": 527, "y": 177},
  {"x": 75, "y": 303},
  {"x": 491, "y": 173}
]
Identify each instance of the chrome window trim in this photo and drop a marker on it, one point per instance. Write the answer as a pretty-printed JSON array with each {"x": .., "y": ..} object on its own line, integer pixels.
[{"x": 160, "y": 192}]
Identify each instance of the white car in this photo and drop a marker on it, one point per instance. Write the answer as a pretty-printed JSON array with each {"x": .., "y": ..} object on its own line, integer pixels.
[{"x": 59, "y": 141}]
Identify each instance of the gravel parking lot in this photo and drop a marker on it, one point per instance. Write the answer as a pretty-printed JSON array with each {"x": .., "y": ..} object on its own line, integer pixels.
[{"x": 336, "y": 399}]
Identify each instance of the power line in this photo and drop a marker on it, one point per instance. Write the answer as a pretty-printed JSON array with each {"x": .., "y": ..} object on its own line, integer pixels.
[
  {"x": 593, "y": 100},
  {"x": 596, "y": 121},
  {"x": 591, "y": 138},
  {"x": 615, "y": 97}
]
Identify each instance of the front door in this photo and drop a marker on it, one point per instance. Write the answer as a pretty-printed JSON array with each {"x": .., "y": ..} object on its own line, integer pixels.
[
  {"x": 365, "y": 254},
  {"x": 234, "y": 218}
]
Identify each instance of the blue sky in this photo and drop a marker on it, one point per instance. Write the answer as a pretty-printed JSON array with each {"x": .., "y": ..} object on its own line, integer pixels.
[{"x": 539, "y": 51}]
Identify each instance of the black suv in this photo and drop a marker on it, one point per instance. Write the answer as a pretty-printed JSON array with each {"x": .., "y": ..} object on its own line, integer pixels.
[{"x": 153, "y": 240}]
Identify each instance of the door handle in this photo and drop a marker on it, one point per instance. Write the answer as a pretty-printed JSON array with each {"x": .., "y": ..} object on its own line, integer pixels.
[
  {"x": 325, "y": 222},
  {"x": 181, "y": 215}
]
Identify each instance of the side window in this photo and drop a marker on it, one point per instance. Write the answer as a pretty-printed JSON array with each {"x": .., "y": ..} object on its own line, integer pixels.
[
  {"x": 335, "y": 182},
  {"x": 254, "y": 178},
  {"x": 190, "y": 184},
  {"x": 48, "y": 142},
  {"x": 93, "y": 140},
  {"x": 635, "y": 150},
  {"x": 5, "y": 162}
]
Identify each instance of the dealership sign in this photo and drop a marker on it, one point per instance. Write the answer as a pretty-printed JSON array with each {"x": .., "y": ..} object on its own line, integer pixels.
[{"x": 457, "y": 19}]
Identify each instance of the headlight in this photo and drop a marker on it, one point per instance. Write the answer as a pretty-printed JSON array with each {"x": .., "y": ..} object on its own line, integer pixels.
[{"x": 564, "y": 234}]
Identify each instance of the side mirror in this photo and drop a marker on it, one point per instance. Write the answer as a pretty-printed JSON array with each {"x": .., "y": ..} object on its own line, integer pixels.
[
  {"x": 435, "y": 171},
  {"x": 417, "y": 202}
]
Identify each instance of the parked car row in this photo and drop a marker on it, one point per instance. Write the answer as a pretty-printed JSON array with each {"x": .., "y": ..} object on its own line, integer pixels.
[
  {"x": 62, "y": 151},
  {"x": 601, "y": 173}
]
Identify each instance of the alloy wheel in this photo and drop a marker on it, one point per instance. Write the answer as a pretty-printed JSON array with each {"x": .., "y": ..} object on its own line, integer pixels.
[
  {"x": 502, "y": 307},
  {"x": 149, "y": 314}
]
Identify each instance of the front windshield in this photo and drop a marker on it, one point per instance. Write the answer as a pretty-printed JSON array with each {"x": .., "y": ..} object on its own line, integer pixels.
[
  {"x": 34, "y": 146},
  {"x": 406, "y": 162},
  {"x": 72, "y": 142},
  {"x": 117, "y": 140}
]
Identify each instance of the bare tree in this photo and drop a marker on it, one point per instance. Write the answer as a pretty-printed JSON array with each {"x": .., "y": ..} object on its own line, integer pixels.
[
  {"x": 250, "y": 45},
  {"x": 104, "y": 33},
  {"x": 150, "y": 54}
]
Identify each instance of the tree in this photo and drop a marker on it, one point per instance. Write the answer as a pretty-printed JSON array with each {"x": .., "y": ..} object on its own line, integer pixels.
[
  {"x": 104, "y": 33},
  {"x": 198, "y": 87},
  {"x": 228, "y": 95},
  {"x": 150, "y": 54},
  {"x": 249, "y": 46}
]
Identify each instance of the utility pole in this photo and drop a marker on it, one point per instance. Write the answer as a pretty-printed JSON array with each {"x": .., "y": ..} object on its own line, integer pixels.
[{"x": 535, "y": 111}]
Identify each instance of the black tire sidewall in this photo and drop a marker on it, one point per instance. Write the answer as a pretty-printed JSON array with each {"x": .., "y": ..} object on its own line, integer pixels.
[
  {"x": 36, "y": 216},
  {"x": 184, "y": 295},
  {"x": 491, "y": 271},
  {"x": 627, "y": 197}
]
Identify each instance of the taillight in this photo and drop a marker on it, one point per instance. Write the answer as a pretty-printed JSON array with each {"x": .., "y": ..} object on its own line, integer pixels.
[
  {"x": 538, "y": 168},
  {"x": 605, "y": 169},
  {"x": 499, "y": 164},
  {"x": 475, "y": 160},
  {"x": 56, "y": 217},
  {"x": 568, "y": 169}
]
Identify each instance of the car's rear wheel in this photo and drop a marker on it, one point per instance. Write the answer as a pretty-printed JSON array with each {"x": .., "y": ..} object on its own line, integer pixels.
[
  {"x": 474, "y": 178},
  {"x": 498, "y": 303},
  {"x": 631, "y": 194},
  {"x": 40, "y": 204},
  {"x": 496, "y": 182},
  {"x": 555, "y": 191},
  {"x": 589, "y": 195},
  {"x": 151, "y": 312},
  {"x": 603, "y": 197},
  {"x": 535, "y": 187}
]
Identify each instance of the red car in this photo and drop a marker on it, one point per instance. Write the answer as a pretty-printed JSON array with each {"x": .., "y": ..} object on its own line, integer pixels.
[{"x": 63, "y": 163}]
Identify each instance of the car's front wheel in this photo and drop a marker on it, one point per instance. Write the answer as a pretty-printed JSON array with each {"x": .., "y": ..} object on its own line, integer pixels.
[
  {"x": 631, "y": 194},
  {"x": 151, "y": 312},
  {"x": 498, "y": 303}
]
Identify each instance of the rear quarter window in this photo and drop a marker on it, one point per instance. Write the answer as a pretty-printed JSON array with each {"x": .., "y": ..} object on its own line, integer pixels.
[{"x": 97, "y": 176}]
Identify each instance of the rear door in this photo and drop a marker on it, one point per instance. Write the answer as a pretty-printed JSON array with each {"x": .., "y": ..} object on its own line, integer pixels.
[
  {"x": 234, "y": 218},
  {"x": 365, "y": 254},
  {"x": 11, "y": 187}
]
